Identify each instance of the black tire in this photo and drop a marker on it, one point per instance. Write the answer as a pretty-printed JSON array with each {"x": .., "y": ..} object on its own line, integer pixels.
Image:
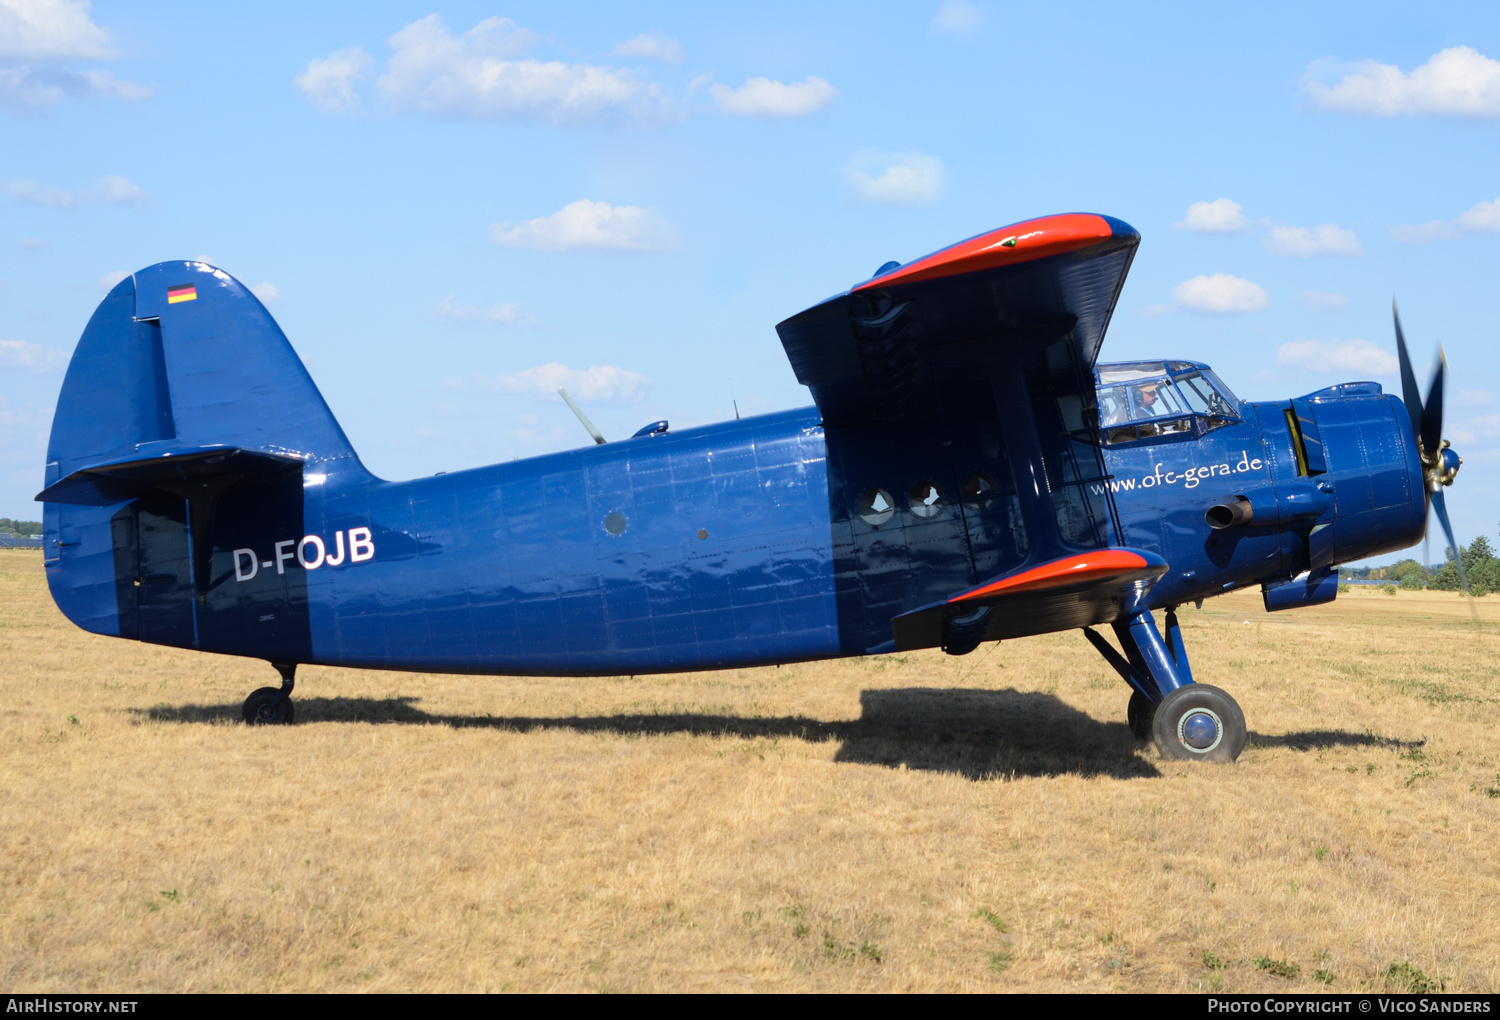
[
  {"x": 963, "y": 634},
  {"x": 266, "y": 707},
  {"x": 1199, "y": 723},
  {"x": 1140, "y": 712}
]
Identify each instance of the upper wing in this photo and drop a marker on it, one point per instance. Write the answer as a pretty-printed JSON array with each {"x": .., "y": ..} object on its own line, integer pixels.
[{"x": 996, "y": 297}]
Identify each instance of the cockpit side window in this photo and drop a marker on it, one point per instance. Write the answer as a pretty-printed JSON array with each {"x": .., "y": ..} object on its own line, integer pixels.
[
  {"x": 1114, "y": 405},
  {"x": 1147, "y": 393}
]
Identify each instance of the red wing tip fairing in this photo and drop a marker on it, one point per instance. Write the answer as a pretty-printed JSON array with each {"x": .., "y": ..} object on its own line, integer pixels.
[{"x": 1008, "y": 246}]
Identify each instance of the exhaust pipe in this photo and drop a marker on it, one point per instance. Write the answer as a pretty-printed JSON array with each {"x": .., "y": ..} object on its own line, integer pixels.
[{"x": 1231, "y": 514}]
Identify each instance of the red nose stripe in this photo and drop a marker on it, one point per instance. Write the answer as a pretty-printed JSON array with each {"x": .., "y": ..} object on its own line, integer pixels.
[
  {"x": 1021, "y": 242},
  {"x": 1070, "y": 570}
]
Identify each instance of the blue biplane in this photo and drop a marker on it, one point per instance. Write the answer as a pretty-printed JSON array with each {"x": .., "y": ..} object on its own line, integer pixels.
[{"x": 969, "y": 474}]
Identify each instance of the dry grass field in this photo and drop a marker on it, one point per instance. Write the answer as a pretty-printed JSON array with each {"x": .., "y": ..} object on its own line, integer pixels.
[{"x": 911, "y": 823}]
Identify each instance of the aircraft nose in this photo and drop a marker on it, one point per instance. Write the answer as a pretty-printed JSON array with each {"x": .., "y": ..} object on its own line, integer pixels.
[{"x": 1446, "y": 468}]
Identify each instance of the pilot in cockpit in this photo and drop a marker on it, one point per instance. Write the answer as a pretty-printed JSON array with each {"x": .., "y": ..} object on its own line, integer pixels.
[{"x": 1145, "y": 398}]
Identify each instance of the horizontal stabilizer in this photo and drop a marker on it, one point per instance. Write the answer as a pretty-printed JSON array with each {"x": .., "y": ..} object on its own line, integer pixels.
[
  {"x": 178, "y": 472},
  {"x": 1075, "y": 591}
]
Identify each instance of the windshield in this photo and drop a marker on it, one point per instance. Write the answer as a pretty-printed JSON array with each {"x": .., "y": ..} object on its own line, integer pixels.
[{"x": 1204, "y": 397}]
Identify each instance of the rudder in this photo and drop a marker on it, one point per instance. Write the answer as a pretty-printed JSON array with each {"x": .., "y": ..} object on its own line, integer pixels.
[{"x": 179, "y": 364}]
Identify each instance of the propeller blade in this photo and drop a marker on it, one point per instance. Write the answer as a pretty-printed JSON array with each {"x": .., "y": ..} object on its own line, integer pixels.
[
  {"x": 1432, "y": 409},
  {"x": 1441, "y": 507},
  {"x": 1409, "y": 392}
]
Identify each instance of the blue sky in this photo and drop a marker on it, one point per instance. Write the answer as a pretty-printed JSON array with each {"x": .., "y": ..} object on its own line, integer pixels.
[{"x": 452, "y": 209}]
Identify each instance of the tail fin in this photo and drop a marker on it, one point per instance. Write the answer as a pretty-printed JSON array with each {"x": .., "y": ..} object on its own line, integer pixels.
[
  {"x": 181, "y": 386},
  {"x": 182, "y": 356}
]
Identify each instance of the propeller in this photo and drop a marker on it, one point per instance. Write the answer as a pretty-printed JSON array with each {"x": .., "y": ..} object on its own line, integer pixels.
[{"x": 1440, "y": 462}]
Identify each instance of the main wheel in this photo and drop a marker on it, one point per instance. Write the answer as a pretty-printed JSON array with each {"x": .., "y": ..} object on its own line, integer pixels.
[
  {"x": 1140, "y": 712},
  {"x": 963, "y": 634},
  {"x": 267, "y": 707},
  {"x": 1197, "y": 722}
]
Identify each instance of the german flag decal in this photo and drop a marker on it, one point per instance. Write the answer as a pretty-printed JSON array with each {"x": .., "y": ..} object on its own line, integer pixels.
[{"x": 179, "y": 294}]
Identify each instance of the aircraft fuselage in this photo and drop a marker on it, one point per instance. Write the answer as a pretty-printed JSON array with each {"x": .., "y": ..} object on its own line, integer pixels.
[{"x": 736, "y": 544}]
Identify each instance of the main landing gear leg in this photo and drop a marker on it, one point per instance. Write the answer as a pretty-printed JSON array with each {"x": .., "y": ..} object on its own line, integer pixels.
[
  {"x": 273, "y": 705},
  {"x": 1187, "y": 721}
]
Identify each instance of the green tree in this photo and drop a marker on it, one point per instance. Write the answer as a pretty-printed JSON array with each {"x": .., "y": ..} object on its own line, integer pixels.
[
  {"x": 1407, "y": 573},
  {"x": 1481, "y": 568}
]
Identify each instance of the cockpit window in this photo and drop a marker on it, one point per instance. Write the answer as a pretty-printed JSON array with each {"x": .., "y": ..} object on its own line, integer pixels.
[{"x": 1134, "y": 398}]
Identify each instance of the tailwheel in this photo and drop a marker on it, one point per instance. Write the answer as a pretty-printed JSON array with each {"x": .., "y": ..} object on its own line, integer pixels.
[
  {"x": 1140, "y": 712},
  {"x": 269, "y": 706},
  {"x": 1197, "y": 722}
]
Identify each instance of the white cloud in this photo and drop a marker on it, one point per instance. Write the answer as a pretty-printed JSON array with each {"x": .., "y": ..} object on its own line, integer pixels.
[
  {"x": 107, "y": 281},
  {"x": 1221, "y": 216},
  {"x": 652, "y": 46},
  {"x": 1306, "y": 243},
  {"x": 269, "y": 293},
  {"x": 34, "y": 244},
  {"x": 1458, "y": 81},
  {"x": 1335, "y": 356},
  {"x": 597, "y": 384},
  {"x": 51, "y": 30},
  {"x": 1323, "y": 300},
  {"x": 957, "y": 17},
  {"x": 114, "y": 190},
  {"x": 20, "y": 354},
  {"x": 1219, "y": 294},
  {"x": 1153, "y": 311},
  {"x": 28, "y": 89},
  {"x": 598, "y": 226},
  {"x": 37, "y": 37},
  {"x": 1481, "y": 218},
  {"x": 1488, "y": 424},
  {"x": 103, "y": 85},
  {"x": 476, "y": 76},
  {"x": 328, "y": 83},
  {"x": 1475, "y": 398},
  {"x": 895, "y": 178},
  {"x": 762, "y": 97},
  {"x": 32, "y": 417},
  {"x": 505, "y": 314},
  {"x": 1432, "y": 230},
  {"x": 33, "y": 193}
]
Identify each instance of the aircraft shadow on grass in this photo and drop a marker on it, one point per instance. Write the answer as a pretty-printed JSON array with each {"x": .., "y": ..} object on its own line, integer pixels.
[{"x": 979, "y": 734}]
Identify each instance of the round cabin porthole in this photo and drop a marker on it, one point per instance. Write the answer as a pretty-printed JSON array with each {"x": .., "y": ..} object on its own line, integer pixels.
[
  {"x": 926, "y": 499},
  {"x": 616, "y": 524},
  {"x": 979, "y": 489},
  {"x": 875, "y": 507},
  {"x": 702, "y": 533}
]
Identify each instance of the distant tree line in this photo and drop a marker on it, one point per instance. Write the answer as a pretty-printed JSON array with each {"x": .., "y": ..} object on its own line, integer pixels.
[
  {"x": 26, "y": 528},
  {"x": 1392, "y": 572},
  {"x": 1481, "y": 569}
]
